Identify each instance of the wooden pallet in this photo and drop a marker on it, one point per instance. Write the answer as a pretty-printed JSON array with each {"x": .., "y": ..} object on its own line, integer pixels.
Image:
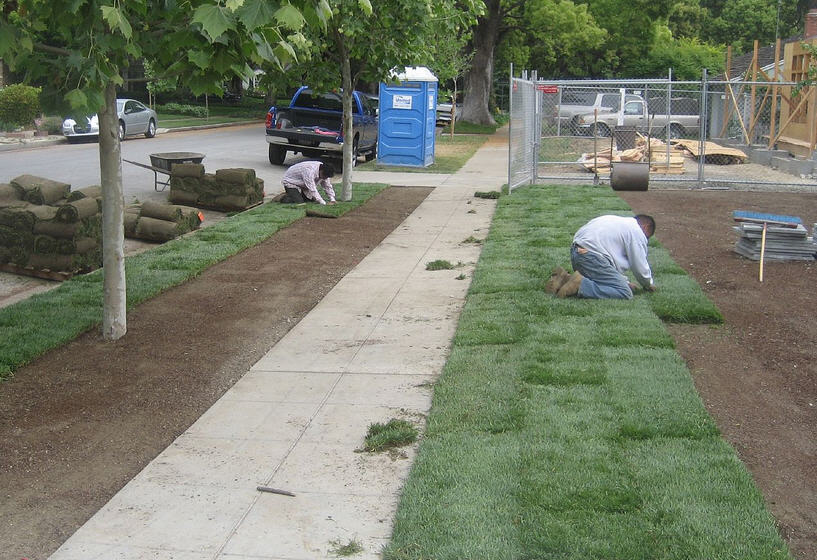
[{"x": 44, "y": 274}]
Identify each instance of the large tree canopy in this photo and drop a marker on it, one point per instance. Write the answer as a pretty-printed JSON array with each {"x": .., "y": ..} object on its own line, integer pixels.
[
  {"x": 740, "y": 22},
  {"x": 365, "y": 41}
]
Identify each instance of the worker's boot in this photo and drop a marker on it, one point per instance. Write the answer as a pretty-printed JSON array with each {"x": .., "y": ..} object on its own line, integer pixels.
[
  {"x": 557, "y": 279},
  {"x": 571, "y": 287}
]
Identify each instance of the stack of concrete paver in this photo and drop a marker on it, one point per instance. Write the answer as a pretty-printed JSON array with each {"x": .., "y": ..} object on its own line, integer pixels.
[
  {"x": 44, "y": 226},
  {"x": 782, "y": 243}
]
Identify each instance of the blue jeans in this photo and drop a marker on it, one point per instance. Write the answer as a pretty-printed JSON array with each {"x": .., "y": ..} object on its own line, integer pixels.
[{"x": 601, "y": 279}]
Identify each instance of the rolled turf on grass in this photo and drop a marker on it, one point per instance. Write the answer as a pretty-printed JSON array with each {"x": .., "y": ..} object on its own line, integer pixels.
[
  {"x": 570, "y": 429},
  {"x": 47, "y": 320}
]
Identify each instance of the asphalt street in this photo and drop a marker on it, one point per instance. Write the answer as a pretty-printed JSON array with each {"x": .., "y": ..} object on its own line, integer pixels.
[{"x": 78, "y": 164}]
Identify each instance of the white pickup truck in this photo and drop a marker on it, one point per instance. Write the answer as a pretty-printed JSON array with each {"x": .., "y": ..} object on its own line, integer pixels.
[{"x": 636, "y": 114}]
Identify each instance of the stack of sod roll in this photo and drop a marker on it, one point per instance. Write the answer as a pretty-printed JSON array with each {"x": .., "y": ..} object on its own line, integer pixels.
[
  {"x": 45, "y": 226},
  {"x": 155, "y": 221},
  {"x": 227, "y": 190}
]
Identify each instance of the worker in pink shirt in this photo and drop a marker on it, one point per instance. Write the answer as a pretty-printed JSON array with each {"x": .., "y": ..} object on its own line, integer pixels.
[{"x": 301, "y": 182}]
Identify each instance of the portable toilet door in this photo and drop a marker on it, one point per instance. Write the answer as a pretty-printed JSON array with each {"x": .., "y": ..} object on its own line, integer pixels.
[{"x": 407, "y": 119}]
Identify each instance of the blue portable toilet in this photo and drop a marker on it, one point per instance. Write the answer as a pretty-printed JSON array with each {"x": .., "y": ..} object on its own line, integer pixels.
[{"x": 408, "y": 115}]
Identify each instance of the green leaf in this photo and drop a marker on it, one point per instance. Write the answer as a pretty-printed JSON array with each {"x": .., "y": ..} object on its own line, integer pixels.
[
  {"x": 133, "y": 50},
  {"x": 263, "y": 47},
  {"x": 366, "y": 6},
  {"x": 7, "y": 38},
  {"x": 234, "y": 5},
  {"x": 116, "y": 21},
  {"x": 199, "y": 58},
  {"x": 285, "y": 53},
  {"x": 255, "y": 13},
  {"x": 289, "y": 16},
  {"x": 27, "y": 43},
  {"x": 75, "y": 5},
  {"x": 318, "y": 15},
  {"x": 213, "y": 19},
  {"x": 77, "y": 99}
]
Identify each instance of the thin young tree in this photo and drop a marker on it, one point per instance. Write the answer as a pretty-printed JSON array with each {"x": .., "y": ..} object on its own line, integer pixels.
[{"x": 80, "y": 51}]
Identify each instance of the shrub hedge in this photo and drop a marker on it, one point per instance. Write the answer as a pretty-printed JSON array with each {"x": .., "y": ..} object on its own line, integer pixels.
[{"x": 19, "y": 105}]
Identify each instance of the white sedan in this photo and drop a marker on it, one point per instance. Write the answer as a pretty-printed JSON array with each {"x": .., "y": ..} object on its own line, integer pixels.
[{"x": 134, "y": 118}]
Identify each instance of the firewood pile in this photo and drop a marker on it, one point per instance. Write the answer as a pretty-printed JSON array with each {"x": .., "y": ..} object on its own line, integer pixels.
[
  {"x": 155, "y": 221},
  {"x": 227, "y": 190},
  {"x": 655, "y": 152},
  {"x": 47, "y": 228}
]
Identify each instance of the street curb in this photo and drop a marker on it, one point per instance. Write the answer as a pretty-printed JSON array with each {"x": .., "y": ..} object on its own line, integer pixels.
[
  {"x": 53, "y": 141},
  {"x": 35, "y": 144},
  {"x": 206, "y": 126}
]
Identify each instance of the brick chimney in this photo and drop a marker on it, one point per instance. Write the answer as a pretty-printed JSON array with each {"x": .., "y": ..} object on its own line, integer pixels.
[{"x": 811, "y": 20}]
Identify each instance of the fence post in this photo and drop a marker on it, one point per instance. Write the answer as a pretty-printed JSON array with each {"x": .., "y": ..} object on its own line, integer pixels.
[
  {"x": 537, "y": 130},
  {"x": 703, "y": 120},
  {"x": 668, "y": 131},
  {"x": 510, "y": 126}
]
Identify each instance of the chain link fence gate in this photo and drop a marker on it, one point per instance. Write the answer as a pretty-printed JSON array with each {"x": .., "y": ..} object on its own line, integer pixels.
[
  {"x": 703, "y": 134},
  {"x": 523, "y": 132}
]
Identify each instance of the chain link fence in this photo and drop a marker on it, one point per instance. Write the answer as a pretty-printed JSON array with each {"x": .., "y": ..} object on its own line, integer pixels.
[
  {"x": 704, "y": 134},
  {"x": 524, "y": 126}
]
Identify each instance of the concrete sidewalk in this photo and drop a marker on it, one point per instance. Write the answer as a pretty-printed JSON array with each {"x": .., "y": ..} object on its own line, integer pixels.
[{"x": 295, "y": 421}]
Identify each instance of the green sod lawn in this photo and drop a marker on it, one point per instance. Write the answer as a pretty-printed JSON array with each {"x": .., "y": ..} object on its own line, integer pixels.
[
  {"x": 45, "y": 321},
  {"x": 449, "y": 155},
  {"x": 571, "y": 429}
]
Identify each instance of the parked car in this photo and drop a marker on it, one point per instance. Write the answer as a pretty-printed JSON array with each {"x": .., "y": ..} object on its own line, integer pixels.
[
  {"x": 312, "y": 123},
  {"x": 637, "y": 114},
  {"x": 134, "y": 118},
  {"x": 575, "y": 103},
  {"x": 444, "y": 113}
]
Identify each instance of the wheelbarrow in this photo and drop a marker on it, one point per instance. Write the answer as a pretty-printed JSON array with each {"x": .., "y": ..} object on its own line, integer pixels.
[{"x": 162, "y": 163}]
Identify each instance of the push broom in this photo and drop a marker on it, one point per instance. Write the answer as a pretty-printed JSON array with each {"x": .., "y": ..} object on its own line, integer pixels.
[{"x": 765, "y": 219}]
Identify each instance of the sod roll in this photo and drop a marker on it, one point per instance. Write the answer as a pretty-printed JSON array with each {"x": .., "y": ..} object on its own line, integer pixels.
[
  {"x": 187, "y": 170},
  {"x": 39, "y": 190},
  {"x": 94, "y": 191},
  {"x": 77, "y": 210},
  {"x": 24, "y": 216},
  {"x": 8, "y": 193},
  {"x": 56, "y": 229},
  {"x": 242, "y": 176},
  {"x": 168, "y": 212},
  {"x": 152, "y": 229},
  {"x": 182, "y": 196},
  {"x": 11, "y": 237},
  {"x": 80, "y": 245},
  {"x": 232, "y": 202},
  {"x": 45, "y": 244},
  {"x": 131, "y": 219}
]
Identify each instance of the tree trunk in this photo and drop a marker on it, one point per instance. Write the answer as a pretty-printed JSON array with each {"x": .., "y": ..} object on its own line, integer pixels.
[
  {"x": 114, "y": 323},
  {"x": 271, "y": 96},
  {"x": 479, "y": 78},
  {"x": 348, "y": 122}
]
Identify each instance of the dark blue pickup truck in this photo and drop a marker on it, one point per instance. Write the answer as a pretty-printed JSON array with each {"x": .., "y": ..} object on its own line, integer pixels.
[{"x": 312, "y": 126}]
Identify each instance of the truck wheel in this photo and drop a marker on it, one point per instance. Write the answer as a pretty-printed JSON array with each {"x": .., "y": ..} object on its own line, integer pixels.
[
  {"x": 355, "y": 151},
  {"x": 277, "y": 154},
  {"x": 676, "y": 131},
  {"x": 370, "y": 155},
  {"x": 602, "y": 130}
]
